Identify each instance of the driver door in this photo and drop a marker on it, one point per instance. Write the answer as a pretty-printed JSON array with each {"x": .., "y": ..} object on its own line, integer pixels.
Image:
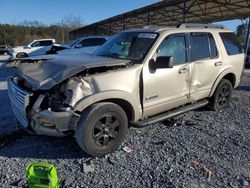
[
  {"x": 167, "y": 88},
  {"x": 33, "y": 47},
  {"x": 40, "y": 47}
]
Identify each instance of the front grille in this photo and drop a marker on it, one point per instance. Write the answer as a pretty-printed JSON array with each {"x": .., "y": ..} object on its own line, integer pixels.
[{"x": 19, "y": 99}]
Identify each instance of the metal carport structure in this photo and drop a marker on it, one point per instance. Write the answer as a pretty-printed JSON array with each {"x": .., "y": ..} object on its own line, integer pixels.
[{"x": 169, "y": 12}]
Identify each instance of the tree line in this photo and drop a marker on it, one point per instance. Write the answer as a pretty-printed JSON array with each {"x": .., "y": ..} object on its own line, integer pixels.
[{"x": 27, "y": 31}]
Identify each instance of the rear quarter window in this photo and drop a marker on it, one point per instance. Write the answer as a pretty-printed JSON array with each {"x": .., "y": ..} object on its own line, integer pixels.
[
  {"x": 46, "y": 43},
  {"x": 93, "y": 42},
  {"x": 231, "y": 43},
  {"x": 203, "y": 46}
]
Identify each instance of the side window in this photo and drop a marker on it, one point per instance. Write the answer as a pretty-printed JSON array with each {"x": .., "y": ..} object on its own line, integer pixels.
[
  {"x": 231, "y": 43},
  {"x": 199, "y": 46},
  {"x": 99, "y": 41},
  {"x": 93, "y": 42},
  {"x": 213, "y": 48},
  {"x": 35, "y": 44},
  {"x": 46, "y": 43},
  {"x": 175, "y": 46}
]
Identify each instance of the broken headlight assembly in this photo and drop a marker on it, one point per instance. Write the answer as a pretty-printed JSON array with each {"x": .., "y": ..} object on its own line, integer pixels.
[{"x": 66, "y": 95}]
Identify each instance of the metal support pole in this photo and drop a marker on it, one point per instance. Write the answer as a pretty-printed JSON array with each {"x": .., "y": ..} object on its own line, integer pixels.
[
  {"x": 148, "y": 19},
  {"x": 110, "y": 29},
  {"x": 123, "y": 23},
  {"x": 184, "y": 11},
  {"x": 62, "y": 32},
  {"x": 247, "y": 36}
]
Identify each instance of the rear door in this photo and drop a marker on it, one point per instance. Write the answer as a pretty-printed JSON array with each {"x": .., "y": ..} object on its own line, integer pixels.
[{"x": 206, "y": 61}]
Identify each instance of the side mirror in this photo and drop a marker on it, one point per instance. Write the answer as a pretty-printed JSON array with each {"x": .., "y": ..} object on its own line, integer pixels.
[
  {"x": 161, "y": 62},
  {"x": 26, "y": 47},
  {"x": 78, "y": 46}
]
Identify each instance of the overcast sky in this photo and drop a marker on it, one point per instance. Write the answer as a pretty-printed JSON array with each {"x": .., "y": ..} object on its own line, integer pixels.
[{"x": 53, "y": 11}]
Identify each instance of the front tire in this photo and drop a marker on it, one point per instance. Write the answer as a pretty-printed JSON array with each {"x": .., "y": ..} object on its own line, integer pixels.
[
  {"x": 101, "y": 128},
  {"x": 222, "y": 95},
  {"x": 21, "y": 55}
]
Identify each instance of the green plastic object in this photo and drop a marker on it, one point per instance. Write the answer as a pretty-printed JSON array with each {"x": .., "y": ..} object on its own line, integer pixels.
[{"x": 42, "y": 175}]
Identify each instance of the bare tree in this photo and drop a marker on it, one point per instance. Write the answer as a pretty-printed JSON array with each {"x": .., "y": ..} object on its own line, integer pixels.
[
  {"x": 69, "y": 23},
  {"x": 72, "y": 22}
]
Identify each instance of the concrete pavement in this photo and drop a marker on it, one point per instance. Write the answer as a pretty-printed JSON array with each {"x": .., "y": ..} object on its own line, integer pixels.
[{"x": 7, "y": 120}]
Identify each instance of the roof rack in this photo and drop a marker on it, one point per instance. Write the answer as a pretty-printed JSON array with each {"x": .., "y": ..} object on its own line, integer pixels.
[
  {"x": 158, "y": 26},
  {"x": 197, "y": 25}
]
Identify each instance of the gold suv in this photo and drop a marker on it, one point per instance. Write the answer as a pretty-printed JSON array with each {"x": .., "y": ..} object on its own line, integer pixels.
[{"x": 139, "y": 76}]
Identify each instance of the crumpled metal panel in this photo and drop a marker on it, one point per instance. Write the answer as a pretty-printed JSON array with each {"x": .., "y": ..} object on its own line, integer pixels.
[
  {"x": 44, "y": 74},
  {"x": 78, "y": 88}
]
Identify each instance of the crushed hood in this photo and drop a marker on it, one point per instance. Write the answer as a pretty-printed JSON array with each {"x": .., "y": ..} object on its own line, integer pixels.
[{"x": 44, "y": 72}]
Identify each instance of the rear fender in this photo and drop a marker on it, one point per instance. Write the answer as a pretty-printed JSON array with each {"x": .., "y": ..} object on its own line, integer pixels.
[{"x": 219, "y": 78}]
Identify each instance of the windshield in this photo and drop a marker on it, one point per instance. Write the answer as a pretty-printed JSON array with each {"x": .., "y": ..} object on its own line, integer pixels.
[
  {"x": 74, "y": 43},
  {"x": 29, "y": 44},
  {"x": 129, "y": 45}
]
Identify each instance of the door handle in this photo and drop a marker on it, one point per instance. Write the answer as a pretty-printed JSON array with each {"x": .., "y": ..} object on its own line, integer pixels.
[
  {"x": 183, "y": 70},
  {"x": 218, "y": 63}
]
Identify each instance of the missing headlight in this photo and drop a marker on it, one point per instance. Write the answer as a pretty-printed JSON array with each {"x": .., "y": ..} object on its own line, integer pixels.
[{"x": 76, "y": 89}]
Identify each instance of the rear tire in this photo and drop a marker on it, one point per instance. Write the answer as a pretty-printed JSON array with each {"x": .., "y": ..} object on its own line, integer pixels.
[
  {"x": 101, "y": 128},
  {"x": 222, "y": 95}
]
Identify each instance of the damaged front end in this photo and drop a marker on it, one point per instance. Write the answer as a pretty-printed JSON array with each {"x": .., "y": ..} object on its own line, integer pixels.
[
  {"x": 44, "y": 93},
  {"x": 49, "y": 112}
]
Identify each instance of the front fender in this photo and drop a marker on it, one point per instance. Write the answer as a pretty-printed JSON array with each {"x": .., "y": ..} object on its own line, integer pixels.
[{"x": 110, "y": 95}]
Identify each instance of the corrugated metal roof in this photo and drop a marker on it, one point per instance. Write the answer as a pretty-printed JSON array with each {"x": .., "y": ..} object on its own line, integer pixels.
[{"x": 167, "y": 13}]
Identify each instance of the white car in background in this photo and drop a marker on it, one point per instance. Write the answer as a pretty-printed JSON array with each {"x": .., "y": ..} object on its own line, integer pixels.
[
  {"x": 84, "y": 45},
  {"x": 37, "y": 47}
]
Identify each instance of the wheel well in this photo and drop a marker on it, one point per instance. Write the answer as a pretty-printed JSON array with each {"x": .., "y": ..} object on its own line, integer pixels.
[
  {"x": 22, "y": 53},
  {"x": 231, "y": 78},
  {"x": 125, "y": 105}
]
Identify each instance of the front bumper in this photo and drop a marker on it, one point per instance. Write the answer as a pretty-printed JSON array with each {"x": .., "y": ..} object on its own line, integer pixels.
[
  {"x": 62, "y": 121},
  {"x": 42, "y": 121}
]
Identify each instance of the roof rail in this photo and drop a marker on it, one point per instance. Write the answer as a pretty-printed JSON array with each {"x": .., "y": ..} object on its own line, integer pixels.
[{"x": 197, "y": 25}]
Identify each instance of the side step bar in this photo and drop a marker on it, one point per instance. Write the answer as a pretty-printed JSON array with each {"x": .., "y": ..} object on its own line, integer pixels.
[{"x": 172, "y": 113}]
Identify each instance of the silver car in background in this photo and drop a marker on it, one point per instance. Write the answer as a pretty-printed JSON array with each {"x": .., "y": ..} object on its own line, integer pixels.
[{"x": 84, "y": 45}]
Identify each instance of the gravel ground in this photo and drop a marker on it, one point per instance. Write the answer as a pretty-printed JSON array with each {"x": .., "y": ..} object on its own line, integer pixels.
[{"x": 197, "y": 149}]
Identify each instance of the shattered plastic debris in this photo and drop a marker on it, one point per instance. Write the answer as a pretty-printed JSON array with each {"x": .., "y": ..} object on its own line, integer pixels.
[
  {"x": 111, "y": 161},
  {"x": 128, "y": 149},
  {"x": 207, "y": 172},
  {"x": 196, "y": 165},
  {"x": 16, "y": 183},
  {"x": 170, "y": 170},
  {"x": 233, "y": 185},
  {"x": 189, "y": 123},
  {"x": 88, "y": 166},
  {"x": 159, "y": 143}
]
